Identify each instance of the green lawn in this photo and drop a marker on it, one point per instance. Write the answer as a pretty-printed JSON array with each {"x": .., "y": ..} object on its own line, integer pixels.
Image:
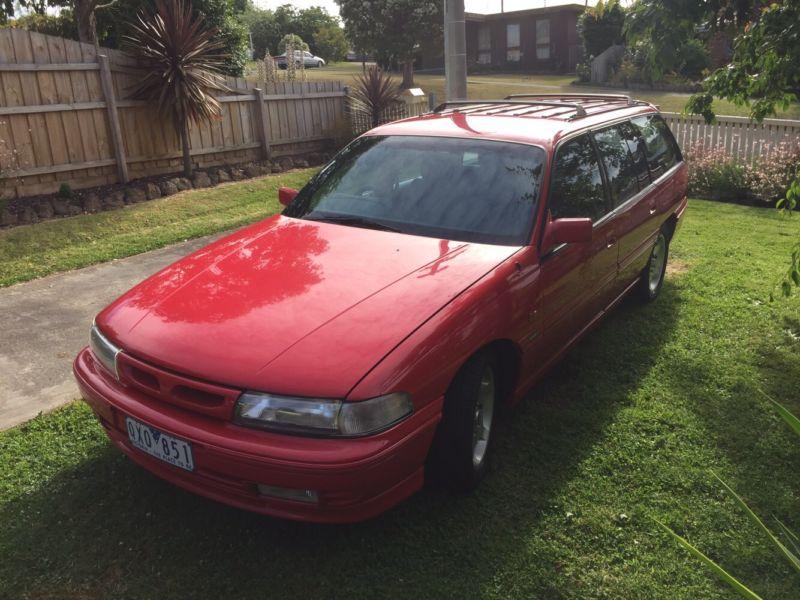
[
  {"x": 32, "y": 251},
  {"x": 501, "y": 85},
  {"x": 625, "y": 430}
]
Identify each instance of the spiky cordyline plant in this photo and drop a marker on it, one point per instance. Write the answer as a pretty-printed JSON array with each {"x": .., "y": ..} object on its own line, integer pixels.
[
  {"x": 179, "y": 61},
  {"x": 374, "y": 92}
]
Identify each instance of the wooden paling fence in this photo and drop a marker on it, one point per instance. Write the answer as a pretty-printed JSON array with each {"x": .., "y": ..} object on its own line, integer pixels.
[
  {"x": 739, "y": 137},
  {"x": 66, "y": 116}
]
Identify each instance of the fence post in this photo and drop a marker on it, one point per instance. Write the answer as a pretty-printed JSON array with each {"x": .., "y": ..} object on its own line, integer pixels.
[
  {"x": 261, "y": 115},
  {"x": 113, "y": 118}
]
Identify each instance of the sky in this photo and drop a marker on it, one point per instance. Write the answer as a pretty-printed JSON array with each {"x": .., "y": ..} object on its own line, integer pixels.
[{"x": 477, "y": 6}]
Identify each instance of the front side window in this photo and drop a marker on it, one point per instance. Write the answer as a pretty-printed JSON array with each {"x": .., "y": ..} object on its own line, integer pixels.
[
  {"x": 450, "y": 188},
  {"x": 638, "y": 152},
  {"x": 620, "y": 168},
  {"x": 577, "y": 185},
  {"x": 660, "y": 147}
]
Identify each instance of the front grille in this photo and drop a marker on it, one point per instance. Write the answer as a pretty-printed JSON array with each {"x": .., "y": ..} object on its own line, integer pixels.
[{"x": 188, "y": 393}]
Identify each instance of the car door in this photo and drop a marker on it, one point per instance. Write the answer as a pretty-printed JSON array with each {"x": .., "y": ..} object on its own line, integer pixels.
[
  {"x": 576, "y": 279},
  {"x": 622, "y": 153},
  {"x": 643, "y": 218}
]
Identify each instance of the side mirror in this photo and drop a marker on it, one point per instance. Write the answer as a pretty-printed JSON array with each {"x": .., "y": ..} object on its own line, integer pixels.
[
  {"x": 286, "y": 195},
  {"x": 567, "y": 231}
]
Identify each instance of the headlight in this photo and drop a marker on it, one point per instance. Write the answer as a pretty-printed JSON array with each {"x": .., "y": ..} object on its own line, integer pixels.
[
  {"x": 104, "y": 351},
  {"x": 319, "y": 416}
]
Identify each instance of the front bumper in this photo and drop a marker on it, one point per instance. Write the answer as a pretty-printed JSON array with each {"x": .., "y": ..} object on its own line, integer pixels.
[{"x": 356, "y": 478}]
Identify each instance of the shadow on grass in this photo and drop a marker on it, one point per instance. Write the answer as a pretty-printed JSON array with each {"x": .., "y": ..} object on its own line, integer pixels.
[{"x": 106, "y": 527}]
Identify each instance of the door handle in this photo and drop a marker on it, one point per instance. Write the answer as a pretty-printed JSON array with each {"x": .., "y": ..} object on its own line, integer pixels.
[
  {"x": 610, "y": 242},
  {"x": 653, "y": 209}
]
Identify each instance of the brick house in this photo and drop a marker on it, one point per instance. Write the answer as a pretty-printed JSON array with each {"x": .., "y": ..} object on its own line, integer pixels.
[{"x": 537, "y": 39}]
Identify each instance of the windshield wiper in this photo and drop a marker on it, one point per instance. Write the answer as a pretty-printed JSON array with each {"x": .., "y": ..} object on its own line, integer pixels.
[{"x": 354, "y": 221}]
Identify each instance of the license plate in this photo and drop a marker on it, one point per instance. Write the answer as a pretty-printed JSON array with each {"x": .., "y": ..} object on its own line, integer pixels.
[{"x": 157, "y": 443}]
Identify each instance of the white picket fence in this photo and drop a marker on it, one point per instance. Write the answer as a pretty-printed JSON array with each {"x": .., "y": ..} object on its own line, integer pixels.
[{"x": 739, "y": 136}]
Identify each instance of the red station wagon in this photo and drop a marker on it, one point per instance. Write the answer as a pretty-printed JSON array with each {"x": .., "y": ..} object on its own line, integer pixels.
[{"x": 323, "y": 363}]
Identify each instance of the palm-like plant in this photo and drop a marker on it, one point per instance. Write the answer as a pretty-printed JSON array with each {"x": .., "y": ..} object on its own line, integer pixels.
[
  {"x": 374, "y": 92},
  {"x": 179, "y": 61}
]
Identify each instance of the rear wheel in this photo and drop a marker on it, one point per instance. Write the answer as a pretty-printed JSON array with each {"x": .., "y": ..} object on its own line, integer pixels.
[
  {"x": 653, "y": 275},
  {"x": 458, "y": 456}
]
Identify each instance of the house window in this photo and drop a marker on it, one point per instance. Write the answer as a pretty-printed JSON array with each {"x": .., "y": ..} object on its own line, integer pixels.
[
  {"x": 484, "y": 44},
  {"x": 543, "y": 39},
  {"x": 513, "y": 53}
]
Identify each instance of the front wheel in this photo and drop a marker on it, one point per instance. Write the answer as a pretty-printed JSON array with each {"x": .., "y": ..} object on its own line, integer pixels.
[
  {"x": 458, "y": 456},
  {"x": 652, "y": 278}
]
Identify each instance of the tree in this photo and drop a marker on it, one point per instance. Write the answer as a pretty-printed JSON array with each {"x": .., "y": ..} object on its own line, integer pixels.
[
  {"x": 763, "y": 74},
  {"x": 115, "y": 22},
  {"x": 601, "y": 26},
  {"x": 331, "y": 43},
  {"x": 179, "y": 64},
  {"x": 294, "y": 40},
  {"x": 269, "y": 27},
  {"x": 392, "y": 29},
  {"x": 658, "y": 30}
]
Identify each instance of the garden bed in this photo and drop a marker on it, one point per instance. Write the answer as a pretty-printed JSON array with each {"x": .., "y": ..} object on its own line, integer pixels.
[{"x": 67, "y": 203}]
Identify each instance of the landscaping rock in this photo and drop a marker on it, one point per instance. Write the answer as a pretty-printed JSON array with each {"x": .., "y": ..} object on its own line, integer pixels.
[
  {"x": 8, "y": 218},
  {"x": 152, "y": 191},
  {"x": 301, "y": 163},
  {"x": 213, "y": 175},
  {"x": 73, "y": 209},
  {"x": 182, "y": 183},
  {"x": 275, "y": 167},
  {"x": 134, "y": 195},
  {"x": 252, "y": 171},
  {"x": 223, "y": 176},
  {"x": 44, "y": 210},
  {"x": 91, "y": 203},
  {"x": 237, "y": 174},
  {"x": 114, "y": 201},
  {"x": 60, "y": 207},
  {"x": 168, "y": 187},
  {"x": 201, "y": 179},
  {"x": 27, "y": 215},
  {"x": 286, "y": 163}
]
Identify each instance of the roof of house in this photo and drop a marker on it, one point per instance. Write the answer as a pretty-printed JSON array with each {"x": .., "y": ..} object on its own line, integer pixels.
[
  {"x": 578, "y": 8},
  {"x": 539, "y": 119}
]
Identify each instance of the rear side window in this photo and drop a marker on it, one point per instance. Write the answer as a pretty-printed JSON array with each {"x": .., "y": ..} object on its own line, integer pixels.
[
  {"x": 638, "y": 152},
  {"x": 620, "y": 168},
  {"x": 577, "y": 185},
  {"x": 660, "y": 147}
]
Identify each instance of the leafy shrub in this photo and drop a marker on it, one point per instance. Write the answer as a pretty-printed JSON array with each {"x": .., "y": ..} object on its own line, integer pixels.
[
  {"x": 60, "y": 25},
  {"x": 694, "y": 59},
  {"x": 584, "y": 72},
  {"x": 769, "y": 179},
  {"x": 65, "y": 191},
  {"x": 716, "y": 175},
  {"x": 600, "y": 26}
]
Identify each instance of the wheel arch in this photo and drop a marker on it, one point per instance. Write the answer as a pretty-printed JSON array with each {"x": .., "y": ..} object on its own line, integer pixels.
[
  {"x": 669, "y": 226},
  {"x": 509, "y": 358}
]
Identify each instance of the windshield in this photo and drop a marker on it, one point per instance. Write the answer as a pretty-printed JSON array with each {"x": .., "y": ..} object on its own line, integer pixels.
[{"x": 451, "y": 188}]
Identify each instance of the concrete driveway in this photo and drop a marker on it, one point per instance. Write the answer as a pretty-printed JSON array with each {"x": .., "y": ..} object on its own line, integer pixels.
[{"x": 46, "y": 322}]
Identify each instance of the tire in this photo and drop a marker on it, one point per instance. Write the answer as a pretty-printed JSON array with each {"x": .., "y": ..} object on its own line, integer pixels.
[
  {"x": 319, "y": 64},
  {"x": 652, "y": 278},
  {"x": 458, "y": 456}
]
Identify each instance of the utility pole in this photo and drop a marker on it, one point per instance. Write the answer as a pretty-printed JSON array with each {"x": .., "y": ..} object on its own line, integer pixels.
[{"x": 455, "y": 50}]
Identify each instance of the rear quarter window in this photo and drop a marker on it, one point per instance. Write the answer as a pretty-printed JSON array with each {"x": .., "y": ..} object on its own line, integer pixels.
[{"x": 660, "y": 147}]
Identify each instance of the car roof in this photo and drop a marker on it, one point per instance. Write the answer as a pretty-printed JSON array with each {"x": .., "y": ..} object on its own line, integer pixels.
[{"x": 540, "y": 119}]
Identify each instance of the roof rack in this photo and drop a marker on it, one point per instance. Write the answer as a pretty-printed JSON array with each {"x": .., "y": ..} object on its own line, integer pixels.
[
  {"x": 579, "y": 110},
  {"x": 628, "y": 100}
]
